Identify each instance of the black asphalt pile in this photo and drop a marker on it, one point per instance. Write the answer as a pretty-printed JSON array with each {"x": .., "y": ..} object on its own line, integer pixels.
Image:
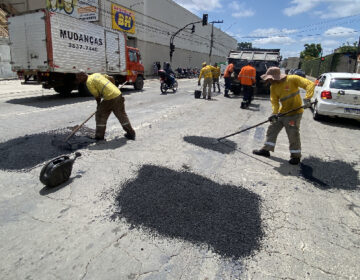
[
  {"x": 30, "y": 150},
  {"x": 224, "y": 147},
  {"x": 330, "y": 174},
  {"x": 190, "y": 207}
]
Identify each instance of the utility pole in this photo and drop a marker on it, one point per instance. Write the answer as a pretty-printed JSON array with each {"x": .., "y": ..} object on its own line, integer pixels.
[
  {"x": 212, "y": 37},
  {"x": 357, "y": 61}
]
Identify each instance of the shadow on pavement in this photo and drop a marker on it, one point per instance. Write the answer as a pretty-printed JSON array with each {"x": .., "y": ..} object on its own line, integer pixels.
[
  {"x": 46, "y": 190},
  {"x": 53, "y": 100},
  {"x": 128, "y": 91},
  {"x": 183, "y": 205},
  {"x": 340, "y": 122},
  {"x": 330, "y": 174},
  {"x": 109, "y": 145},
  {"x": 28, "y": 151},
  {"x": 212, "y": 144},
  {"x": 323, "y": 174}
]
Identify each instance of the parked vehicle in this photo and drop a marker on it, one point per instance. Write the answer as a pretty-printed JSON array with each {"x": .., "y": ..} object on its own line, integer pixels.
[
  {"x": 337, "y": 95},
  {"x": 298, "y": 72},
  {"x": 165, "y": 83},
  {"x": 53, "y": 47},
  {"x": 262, "y": 59}
]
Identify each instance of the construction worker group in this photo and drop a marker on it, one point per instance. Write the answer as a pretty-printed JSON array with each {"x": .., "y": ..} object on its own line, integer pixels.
[{"x": 287, "y": 106}]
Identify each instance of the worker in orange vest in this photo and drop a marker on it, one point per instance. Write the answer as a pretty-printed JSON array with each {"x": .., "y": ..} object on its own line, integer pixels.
[
  {"x": 247, "y": 77},
  {"x": 227, "y": 77}
]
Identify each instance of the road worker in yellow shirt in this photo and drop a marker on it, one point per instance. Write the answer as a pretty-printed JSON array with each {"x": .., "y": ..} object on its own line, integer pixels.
[
  {"x": 102, "y": 87},
  {"x": 285, "y": 89}
]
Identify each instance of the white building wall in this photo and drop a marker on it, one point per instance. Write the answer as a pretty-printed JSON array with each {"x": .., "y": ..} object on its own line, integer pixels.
[{"x": 155, "y": 22}]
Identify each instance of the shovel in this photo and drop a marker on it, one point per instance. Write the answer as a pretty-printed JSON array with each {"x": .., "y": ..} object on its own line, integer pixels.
[
  {"x": 64, "y": 144},
  {"x": 256, "y": 125}
]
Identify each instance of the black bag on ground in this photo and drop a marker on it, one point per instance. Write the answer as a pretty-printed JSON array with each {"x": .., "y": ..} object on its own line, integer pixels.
[
  {"x": 197, "y": 94},
  {"x": 57, "y": 171}
]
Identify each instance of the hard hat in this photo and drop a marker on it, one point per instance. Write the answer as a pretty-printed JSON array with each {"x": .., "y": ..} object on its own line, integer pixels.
[{"x": 204, "y": 64}]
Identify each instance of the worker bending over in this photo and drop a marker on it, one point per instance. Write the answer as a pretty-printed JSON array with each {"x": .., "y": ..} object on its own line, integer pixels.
[{"x": 103, "y": 87}]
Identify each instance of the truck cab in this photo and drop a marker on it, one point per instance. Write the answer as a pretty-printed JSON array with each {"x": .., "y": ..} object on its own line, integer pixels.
[{"x": 135, "y": 68}]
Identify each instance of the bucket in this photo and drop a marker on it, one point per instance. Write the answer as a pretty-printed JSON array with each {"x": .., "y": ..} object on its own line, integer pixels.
[{"x": 197, "y": 93}]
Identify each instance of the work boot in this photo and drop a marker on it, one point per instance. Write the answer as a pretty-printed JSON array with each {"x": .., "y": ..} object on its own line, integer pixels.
[
  {"x": 261, "y": 152},
  {"x": 227, "y": 95},
  {"x": 130, "y": 136},
  {"x": 294, "y": 161},
  {"x": 209, "y": 98}
]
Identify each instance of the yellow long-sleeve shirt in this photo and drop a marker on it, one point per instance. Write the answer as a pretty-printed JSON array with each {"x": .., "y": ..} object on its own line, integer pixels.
[
  {"x": 100, "y": 86},
  {"x": 216, "y": 72},
  {"x": 206, "y": 72},
  {"x": 288, "y": 93}
]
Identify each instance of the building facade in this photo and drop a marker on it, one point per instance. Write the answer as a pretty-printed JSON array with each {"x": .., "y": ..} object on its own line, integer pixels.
[{"x": 148, "y": 25}]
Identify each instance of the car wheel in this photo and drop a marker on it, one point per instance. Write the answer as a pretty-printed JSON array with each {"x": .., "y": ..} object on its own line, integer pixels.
[
  {"x": 316, "y": 114},
  {"x": 139, "y": 83},
  {"x": 163, "y": 87}
]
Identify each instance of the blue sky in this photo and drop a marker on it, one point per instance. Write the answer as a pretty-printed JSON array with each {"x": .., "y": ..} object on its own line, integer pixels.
[{"x": 287, "y": 25}]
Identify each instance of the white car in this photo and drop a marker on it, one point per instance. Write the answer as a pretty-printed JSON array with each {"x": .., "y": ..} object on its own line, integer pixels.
[{"x": 337, "y": 95}]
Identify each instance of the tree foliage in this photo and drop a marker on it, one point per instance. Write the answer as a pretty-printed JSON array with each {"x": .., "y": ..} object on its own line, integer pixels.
[
  {"x": 347, "y": 48},
  {"x": 311, "y": 51},
  {"x": 244, "y": 45}
]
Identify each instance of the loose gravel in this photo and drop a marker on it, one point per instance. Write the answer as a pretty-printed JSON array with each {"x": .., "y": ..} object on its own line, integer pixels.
[
  {"x": 186, "y": 206},
  {"x": 224, "y": 147},
  {"x": 330, "y": 174},
  {"x": 28, "y": 151}
]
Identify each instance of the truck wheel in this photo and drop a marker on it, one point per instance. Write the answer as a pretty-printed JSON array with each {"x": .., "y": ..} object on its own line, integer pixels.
[
  {"x": 139, "y": 83},
  {"x": 63, "y": 90}
]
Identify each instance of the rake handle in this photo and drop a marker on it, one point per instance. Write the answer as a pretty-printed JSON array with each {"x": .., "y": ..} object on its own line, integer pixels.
[
  {"x": 256, "y": 125},
  {"x": 79, "y": 126}
]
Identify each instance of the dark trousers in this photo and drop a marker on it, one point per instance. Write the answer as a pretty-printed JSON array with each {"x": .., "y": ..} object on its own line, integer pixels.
[
  {"x": 216, "y": 81},
  {"x": 117, "y": 106},
  {"x": 248, "y": 93},
  {"x": 227, "y": 85}
]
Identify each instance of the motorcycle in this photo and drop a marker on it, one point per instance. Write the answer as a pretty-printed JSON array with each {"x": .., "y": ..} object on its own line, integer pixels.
[{"x": 165, "y": 83}]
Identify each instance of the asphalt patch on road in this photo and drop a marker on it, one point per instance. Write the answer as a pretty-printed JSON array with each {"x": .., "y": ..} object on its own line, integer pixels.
[
  {"x": 225, "y": 147},
  {"x": 186, "y": 206},
  {"x": 330, "y": 174},
  {"x": 28, "y": 151}
]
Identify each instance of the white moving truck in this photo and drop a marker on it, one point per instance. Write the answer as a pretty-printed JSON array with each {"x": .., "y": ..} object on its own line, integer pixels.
[{"x": 51, "y": 48}]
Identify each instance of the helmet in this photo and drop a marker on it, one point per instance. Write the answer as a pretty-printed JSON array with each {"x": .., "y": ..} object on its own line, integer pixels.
[{"x": 204, "y": 64}]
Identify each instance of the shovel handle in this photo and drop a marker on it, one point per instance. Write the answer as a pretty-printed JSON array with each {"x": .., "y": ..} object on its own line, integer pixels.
[{"x": 79, "y": 126}]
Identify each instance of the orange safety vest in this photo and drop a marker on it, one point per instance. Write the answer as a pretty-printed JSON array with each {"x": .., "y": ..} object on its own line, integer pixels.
[
  {"x": 229, "y": 69},
  {"x": 247, "y": 75}
]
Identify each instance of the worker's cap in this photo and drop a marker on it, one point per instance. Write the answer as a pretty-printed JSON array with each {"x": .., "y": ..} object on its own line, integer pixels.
[
  {"x": 204, "y": 64},
  {"x": 251, "y": 62},
  {"x": 273, "y": 73}
]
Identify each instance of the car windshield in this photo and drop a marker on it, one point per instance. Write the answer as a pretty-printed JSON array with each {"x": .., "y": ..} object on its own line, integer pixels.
[{"x": 345, "y": 83}]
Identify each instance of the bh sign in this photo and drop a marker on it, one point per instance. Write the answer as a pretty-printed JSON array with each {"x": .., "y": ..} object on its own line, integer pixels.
[{"x": 123, "y": 19}]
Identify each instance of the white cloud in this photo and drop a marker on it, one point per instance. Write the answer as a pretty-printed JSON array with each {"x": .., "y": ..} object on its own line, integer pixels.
[
  {"x": 330, "y": 43},
  {"x": 300, "y": 6},
  {"x": 240, "y": 10},
  {"x": 272, "y": 31},
  {"x": 279, "y": 40},
  {"x": 338, "y": 31},
  {"x": 326, "y": 8},
  {"x": 199, "y": 5}
]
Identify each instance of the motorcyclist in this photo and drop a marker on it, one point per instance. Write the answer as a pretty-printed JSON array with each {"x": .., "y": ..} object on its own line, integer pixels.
[{"x": 169, "y": 74}]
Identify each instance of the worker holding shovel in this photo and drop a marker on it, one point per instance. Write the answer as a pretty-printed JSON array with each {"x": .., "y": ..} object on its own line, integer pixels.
[
  {"x": 102, "y": 87},
  {"x": 286, "y": 90}
]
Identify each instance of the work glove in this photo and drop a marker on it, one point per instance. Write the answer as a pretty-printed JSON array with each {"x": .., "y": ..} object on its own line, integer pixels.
[
  {"x": 273, "y": 118},
  {"x": 307, "y": 103},
  {"x": 199, "y": 84}
]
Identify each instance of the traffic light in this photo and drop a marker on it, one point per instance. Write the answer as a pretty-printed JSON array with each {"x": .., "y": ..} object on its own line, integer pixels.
[
  {"x": 322, "y": 58},
  {"x": 193, "y": 29},
  {"x": 172, "y": 47},
  {"x": 205, "y": 19}
]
